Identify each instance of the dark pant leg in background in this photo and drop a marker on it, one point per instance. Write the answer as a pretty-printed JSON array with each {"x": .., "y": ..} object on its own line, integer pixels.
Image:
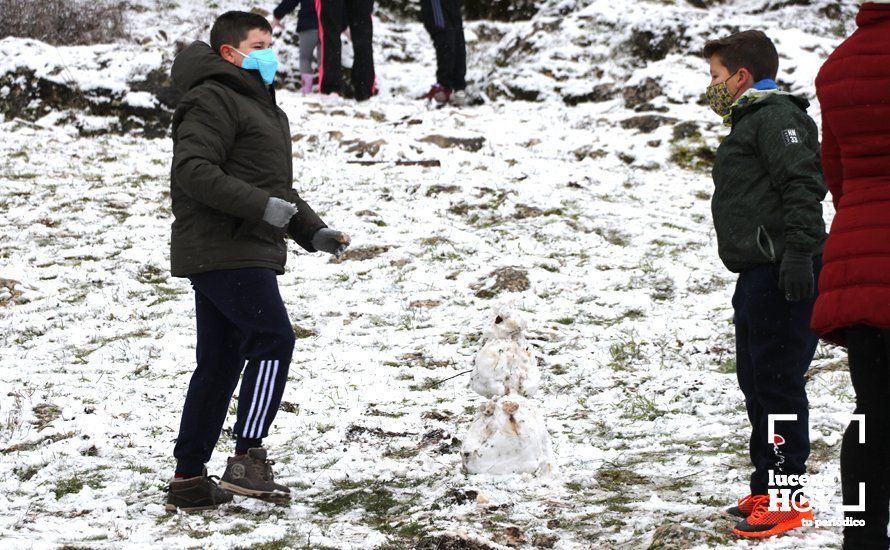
[
  {"x": 777, "y": 350},
  {"x": 361, "y": 28},
  {"x": 330, "y": 27},
  {"x": 248, "y": 300},
  {"x": 869, "y": 463},
  {"x": 444, "y": 23},
  {"x": 459, "y": 70}
]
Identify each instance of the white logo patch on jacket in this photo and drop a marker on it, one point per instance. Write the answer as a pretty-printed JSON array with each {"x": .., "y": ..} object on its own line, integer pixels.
[{"x": 789, "y": 136}]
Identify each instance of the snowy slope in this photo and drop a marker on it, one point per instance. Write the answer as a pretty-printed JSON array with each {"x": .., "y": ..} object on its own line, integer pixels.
[{"x": 626, "y": 301}]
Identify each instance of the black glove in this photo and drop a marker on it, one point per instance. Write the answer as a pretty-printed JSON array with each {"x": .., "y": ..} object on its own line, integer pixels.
[
  {"x": 330, "y": 241},
  {"x": 796, "y": 276},
  {"x": 278, "y": 212}
]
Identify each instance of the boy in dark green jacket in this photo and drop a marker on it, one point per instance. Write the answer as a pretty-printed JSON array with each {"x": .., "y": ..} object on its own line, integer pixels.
[
  {"x": 767, "y": 209},
  {"x": 231, "y": 187}
]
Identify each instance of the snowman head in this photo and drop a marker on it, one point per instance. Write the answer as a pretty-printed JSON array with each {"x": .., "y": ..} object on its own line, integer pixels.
[{"x": 506, "y": 322}]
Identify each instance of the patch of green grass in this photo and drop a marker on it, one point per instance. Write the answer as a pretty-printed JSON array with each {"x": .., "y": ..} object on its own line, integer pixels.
[
  {"x": 727, "y": 366},
  {"x": 693, "y": 153},
  {"x": 300, "y": 332},
  {"x": 24, "y": 473},
  {"x": 613, "y": 236},
  {"x": 68, "y": 486},
  {"x": 388, "y": 414},
  {"x": 558, "y": 370},
  {"x": 374, "y": 497},
  {"x": 403, "y": 453},
  {"x": 565, "y": 320},
  {"x": 619, "y": 479},
  {"x": 239, "y": 529},
  {"x": 277, "y": 544},
  {"x": 381, "y": 507},
  {"x": 151, "y": 274},
  {"x": 574, "y": 486},
  {"x": 624, "y": 352},
  {"x": 426, "y": 385},
  {"x": 639, "y": 408}
]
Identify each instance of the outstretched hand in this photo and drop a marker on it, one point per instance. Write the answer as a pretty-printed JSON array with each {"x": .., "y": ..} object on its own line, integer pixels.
[{"x": 330, "y": 241}]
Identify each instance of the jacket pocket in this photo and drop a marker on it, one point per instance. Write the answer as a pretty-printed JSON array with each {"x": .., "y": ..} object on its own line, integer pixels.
[
  {"x": 260, "y": 230},
  {"x": 765, "y": 244}
]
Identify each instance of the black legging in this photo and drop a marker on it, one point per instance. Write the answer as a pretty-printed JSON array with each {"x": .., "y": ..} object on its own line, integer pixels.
[
  {"x": 443, "y": 20},
  {"x": 357, "y": 14},
  {"x": 869, "y": 355}
]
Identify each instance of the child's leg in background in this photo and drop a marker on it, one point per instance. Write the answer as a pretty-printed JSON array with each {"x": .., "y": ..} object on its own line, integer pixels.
[
  {"x": 869, "y": 463},
  {"x": 308, "y": 47},
  {"x": 330, "y": 20},
  {"x": 250, "y": 300},
  {"x": 361, "y": 30},
  {"x": 434, "y": 18},
  {"x": 218, "y": 369},
  {"x": 459, "y": 69}
]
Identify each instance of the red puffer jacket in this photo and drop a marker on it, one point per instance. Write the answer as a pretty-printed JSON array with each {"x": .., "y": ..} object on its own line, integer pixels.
[{"x": 854, "y": 89}]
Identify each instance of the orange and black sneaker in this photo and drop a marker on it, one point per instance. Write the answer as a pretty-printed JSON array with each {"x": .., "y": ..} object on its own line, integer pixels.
[
  {"x": 764, "y": 523},
  {"x": 745, "y": 506}
]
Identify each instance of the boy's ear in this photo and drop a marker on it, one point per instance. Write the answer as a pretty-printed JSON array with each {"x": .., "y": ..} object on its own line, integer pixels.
[{"x": 228, "y": 53}]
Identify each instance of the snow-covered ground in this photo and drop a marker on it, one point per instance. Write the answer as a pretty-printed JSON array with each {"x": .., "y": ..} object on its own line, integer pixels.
[{"x": 626, "y": 301}]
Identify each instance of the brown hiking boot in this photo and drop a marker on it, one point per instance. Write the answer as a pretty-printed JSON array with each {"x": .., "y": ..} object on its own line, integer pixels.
[
  {"x": 195, "y": 494},
  {"x": 251, "y": 475}
]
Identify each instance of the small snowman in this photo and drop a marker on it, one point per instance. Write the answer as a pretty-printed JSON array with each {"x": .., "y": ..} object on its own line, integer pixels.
[{"x": 509, "y": 435}]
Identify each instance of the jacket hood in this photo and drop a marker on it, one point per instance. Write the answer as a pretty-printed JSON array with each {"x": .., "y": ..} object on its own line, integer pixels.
[
  {"x": 198, "y": 62},
  {"x": 775, "y": 97},
  {"x": 785, "y": 97}
]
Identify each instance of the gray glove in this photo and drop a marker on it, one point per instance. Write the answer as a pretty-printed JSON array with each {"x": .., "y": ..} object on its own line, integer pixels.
[
  {"x": 796, "y": 276},
  {"x": 330, "y": 241},
  {"x": 278, "y": 212}
]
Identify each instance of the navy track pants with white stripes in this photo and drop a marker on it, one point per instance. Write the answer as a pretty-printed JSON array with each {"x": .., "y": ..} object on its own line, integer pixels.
[{"x": 242, "y": 325}]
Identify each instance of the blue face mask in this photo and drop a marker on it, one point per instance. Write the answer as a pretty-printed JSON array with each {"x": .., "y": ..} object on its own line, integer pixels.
[{"x": 263, "y": 61}]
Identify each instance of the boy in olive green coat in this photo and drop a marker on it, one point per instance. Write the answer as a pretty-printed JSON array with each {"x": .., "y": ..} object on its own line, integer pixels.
[
  {"x": 767, "y": 209},
  {"x": 233, "y": 201}
]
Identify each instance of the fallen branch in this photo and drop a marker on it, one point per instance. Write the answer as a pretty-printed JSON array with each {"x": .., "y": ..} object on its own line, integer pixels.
[
  {"x": 431, "y": 163},
  {"x": 439, "y": 383}
]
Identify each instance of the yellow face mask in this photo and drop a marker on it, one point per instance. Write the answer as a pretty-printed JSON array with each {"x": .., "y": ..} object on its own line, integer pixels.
[{"x": 719, "y": 98}]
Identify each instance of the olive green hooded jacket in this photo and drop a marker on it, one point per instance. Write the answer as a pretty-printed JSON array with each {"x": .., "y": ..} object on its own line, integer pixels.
[
  {"x": 768, "y": 186},
  {"x": 231, "y": 152}
]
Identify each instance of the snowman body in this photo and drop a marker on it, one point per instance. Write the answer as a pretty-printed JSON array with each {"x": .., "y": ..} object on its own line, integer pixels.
[{"x": 508, "y": 437}]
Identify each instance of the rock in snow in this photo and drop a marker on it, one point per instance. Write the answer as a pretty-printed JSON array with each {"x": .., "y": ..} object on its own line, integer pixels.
[{"x": 508, "y": 436}]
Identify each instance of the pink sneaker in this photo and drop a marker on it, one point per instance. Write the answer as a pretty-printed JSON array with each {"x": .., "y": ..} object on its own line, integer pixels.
[
  {"x": 437, "y": 93},
  {"x": 308, "y": 79}
]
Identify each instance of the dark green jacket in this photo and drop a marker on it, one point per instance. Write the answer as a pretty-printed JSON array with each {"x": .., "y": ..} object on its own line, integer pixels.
[
  {"x": 231, "y": 152},
  {"x": 768, "y": 186}
]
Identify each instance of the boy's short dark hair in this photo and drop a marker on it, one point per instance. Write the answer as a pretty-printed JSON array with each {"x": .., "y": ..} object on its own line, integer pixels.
[
  {"x": 752, "y": 50},
  {"x": 232, "y": 27}
]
